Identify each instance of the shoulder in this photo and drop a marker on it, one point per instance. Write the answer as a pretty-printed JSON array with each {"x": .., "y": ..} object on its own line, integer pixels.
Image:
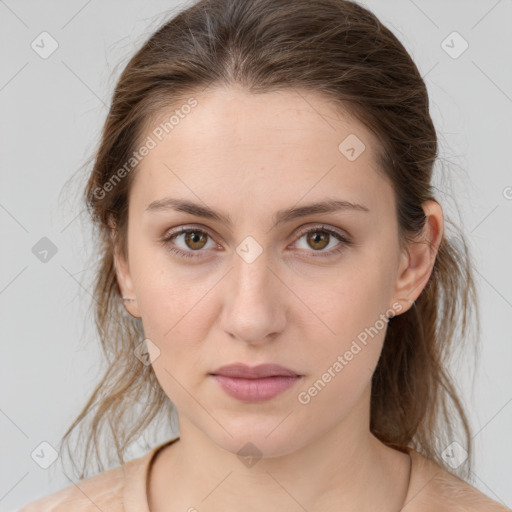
[
  {"x": 104, "y": 491},
  {"x": 434, "y": 488}
]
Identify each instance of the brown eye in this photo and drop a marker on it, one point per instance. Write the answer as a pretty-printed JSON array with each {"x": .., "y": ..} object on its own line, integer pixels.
[
  {"x": 188, "y": 242},
  {"x": 322, "y": 241},
  {"x": 196, "y": 239},
  {"x": 318, "y": 239}
]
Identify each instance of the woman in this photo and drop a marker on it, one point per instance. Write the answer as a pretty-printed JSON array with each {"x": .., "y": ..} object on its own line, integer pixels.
[{"x": 263, "y": 201}]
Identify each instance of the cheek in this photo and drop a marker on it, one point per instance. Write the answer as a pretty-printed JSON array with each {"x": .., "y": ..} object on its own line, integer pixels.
[
  {"x": 170, "y": 295},
  {"x": 353, "y": 300},
  {"x": 177, "y": 313},
  {"x": 177, "y": 320},
  {"x": 341, "y": 370},
  {"x": 353, "y": 309},
  {"x": 176, "y": 316}
]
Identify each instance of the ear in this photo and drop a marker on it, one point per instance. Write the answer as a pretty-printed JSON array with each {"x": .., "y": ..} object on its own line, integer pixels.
[
  {"x": 124, "y": 279},
  {"x": 419, "y": 256}
]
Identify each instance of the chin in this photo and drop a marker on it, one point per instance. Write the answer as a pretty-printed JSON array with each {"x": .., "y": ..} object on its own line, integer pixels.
[{"x": 264, "y": 438}]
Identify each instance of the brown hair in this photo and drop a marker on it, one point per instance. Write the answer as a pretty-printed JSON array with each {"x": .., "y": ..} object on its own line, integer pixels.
[{"x": 341, "y": 50}]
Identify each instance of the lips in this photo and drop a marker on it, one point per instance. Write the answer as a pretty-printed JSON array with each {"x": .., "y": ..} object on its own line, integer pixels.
[
  {"x": 242, "y": 371},
  {"x": 255, "y": 384}
]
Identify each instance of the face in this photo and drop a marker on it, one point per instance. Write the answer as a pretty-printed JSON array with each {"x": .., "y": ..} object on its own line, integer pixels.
[{"x": 263, "y": 280}]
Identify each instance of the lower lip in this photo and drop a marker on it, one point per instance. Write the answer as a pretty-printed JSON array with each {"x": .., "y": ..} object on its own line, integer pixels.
[{"x": 255, "y": 390}]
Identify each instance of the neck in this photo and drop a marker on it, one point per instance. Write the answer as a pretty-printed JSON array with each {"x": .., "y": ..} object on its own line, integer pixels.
[{"x": 345, "y": 468}]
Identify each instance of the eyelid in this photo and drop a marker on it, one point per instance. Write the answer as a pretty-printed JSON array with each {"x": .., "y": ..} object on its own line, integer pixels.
[
  {"x": 173, "y": 233},
  {"x": 302, "y": 231},
  {"x": 323, "y": 227}
]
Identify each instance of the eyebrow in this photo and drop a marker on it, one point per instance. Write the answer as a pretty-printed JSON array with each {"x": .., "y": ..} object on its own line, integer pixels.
[{"x": 280, "y": 217}]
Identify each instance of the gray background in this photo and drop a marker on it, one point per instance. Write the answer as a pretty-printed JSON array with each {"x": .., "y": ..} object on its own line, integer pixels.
[{"x": 52, "y": 111}]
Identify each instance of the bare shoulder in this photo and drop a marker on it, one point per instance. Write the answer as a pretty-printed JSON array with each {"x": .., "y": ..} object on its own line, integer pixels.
[
  {"x": 435, "y": 488},
  {"x": 100, "y": 492},
  {"x": 463, "y": 496}
]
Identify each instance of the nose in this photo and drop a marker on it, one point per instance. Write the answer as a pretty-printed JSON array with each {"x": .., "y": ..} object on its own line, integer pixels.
[{"x": 254, "y": 304}]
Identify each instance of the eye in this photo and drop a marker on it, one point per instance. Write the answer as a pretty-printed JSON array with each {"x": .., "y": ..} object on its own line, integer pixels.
[
  {"x": 189, "y": 242},
  {"x": 191, "y": 239},
  {"x": 320, "y": 237}
]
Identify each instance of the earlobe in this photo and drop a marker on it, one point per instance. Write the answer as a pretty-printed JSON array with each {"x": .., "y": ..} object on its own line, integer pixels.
[{"x": 418, "y": 260}]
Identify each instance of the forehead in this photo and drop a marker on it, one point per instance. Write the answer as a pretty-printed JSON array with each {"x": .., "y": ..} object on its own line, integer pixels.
[{"x": 287, "y": 143}]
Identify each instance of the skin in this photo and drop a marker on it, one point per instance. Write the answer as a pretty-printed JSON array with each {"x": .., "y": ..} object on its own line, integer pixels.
[{"x": 289, "y": 306}]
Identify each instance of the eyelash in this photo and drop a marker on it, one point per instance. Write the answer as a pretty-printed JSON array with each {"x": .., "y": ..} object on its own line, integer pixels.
[{"x": 320, "y": 254}]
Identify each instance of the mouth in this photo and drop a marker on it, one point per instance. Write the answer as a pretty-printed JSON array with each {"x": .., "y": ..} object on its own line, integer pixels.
[
  {"x": 242, "y": 371},
  {"x": 255, "y": 384}
]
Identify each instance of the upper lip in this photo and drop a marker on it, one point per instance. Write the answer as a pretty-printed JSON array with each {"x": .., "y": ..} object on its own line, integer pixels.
[{"x": 242, "y": 371}]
